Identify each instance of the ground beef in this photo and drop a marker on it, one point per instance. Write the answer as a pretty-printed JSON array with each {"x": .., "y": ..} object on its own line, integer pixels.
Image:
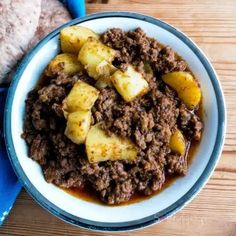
[
  {"x": 135, "y": 47},
  {"x": 148, "y": 121},
  {"x": 190, "y": 123}
]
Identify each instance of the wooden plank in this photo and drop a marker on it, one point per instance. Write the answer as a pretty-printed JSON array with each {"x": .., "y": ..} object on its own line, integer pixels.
[
  {"x": 208, "y": 209},
  {"x": 212, "y": 25}
]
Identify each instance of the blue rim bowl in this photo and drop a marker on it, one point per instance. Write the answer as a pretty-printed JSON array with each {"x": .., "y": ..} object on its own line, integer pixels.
[{"x": 136, "y": 224}]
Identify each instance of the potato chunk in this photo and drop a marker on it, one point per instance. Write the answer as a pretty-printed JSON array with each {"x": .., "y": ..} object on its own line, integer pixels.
[
  {"x": 73, "y": 37},
  {"x": 100, "y": 147},
  {"x": 103, "y": 83},
  {"x": 97, "y": 58},
  {"x": 130, "y": 84},
  {"x": 81, "y": 97},
  {"x": 186, "y": 87},
  {"x": 65, "y": 62},
  {"x": 77, "y": 127},
  {"x": 177, "y": 142}
]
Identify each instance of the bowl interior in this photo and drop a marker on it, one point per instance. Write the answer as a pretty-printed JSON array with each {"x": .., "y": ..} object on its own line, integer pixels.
[{"x": 92, "y": 211}]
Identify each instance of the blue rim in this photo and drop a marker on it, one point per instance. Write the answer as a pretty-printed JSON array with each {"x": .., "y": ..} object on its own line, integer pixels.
[{"x": 136, "y": 224}]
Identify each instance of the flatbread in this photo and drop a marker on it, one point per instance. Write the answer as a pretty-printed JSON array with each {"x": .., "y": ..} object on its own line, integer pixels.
[
  {"x": 53, "y": 14},
  {"x": 19, "y": 20}
]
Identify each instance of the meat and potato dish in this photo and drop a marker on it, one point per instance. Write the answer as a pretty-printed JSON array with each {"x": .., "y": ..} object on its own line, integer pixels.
[{"x": 116, "y": 112}]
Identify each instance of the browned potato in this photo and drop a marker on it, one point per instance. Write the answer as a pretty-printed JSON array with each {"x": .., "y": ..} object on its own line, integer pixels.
[
  {"x": 77, "y": 127},
  {"x": 73, "y": 37},
  {"x": 100, "y": 147},
  {"x": 130, "y": 84},
  {"x": 186, "y": 86},
  {"x": 81, "y": 97},
  {"x": 65, "y": 62},
  {"x": 105, "y": 69},
  {"x": 96, "y": 58},
  {"x": 103, "y": 83},
  {"x": 177, "y": 142}
]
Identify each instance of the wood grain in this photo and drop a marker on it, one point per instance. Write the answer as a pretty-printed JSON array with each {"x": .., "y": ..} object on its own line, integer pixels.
[{"x": 212, "y": 25}]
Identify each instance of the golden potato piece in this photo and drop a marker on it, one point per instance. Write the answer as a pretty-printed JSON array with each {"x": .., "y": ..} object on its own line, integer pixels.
[
  {"x": 105, "y": 69},
  {"x": 130, "y": 84},
  {"x": 177, "y": 142},
  {"x": 73, "y": 37},
  {"x": 100, "y": 147},
  {"x": 96, "y": 58},
  {"x": 81, "y": 97},
  {"x": 65, "y": 62},
  {"x": 103, "y": 83},
  {"x": 186, "y": 86},
  {"x": 78, "y": 125}
]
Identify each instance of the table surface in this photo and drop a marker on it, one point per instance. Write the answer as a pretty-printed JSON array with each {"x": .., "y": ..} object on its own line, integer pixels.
[{"x": 212, "y": 25}]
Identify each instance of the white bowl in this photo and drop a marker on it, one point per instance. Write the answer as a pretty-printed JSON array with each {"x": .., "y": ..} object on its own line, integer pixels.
[{"x": 121, "y": 218}]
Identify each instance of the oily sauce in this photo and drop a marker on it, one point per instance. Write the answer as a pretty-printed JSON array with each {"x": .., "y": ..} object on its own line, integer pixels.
[{"x": 88, "y": 194}]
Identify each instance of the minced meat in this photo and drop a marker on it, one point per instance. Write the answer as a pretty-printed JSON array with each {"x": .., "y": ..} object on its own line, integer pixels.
[{"x": 148, "y": 121}]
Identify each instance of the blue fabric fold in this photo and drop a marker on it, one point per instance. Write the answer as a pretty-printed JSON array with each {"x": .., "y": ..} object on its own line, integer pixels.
[
  {"x": 75, "y": 7},
  {"x": 9, "y": 184}
]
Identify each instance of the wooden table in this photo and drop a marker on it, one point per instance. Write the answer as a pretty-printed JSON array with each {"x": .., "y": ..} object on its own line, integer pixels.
[{"x": 212, "y": 25}]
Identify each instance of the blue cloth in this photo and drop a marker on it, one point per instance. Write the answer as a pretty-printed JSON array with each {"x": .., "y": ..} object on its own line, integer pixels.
[
  {"x": 76, "y": 7},
  {"x": 9, "y": 184}
]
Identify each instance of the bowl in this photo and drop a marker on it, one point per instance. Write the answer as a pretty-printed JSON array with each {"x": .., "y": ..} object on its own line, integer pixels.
[{"x": 137, "y": 215}]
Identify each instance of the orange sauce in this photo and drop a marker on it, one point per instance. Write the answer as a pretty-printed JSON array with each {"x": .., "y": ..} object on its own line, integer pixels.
[{"x": 88, "y": 194}]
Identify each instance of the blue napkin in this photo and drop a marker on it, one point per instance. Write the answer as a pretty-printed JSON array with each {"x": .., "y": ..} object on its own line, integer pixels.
[
  {"x": 9, "y": 184},
  {"x": 75, "y": 7}
]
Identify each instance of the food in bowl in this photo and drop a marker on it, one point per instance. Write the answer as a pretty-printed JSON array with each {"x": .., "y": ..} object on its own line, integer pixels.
[{"x": 117, "y": 112}]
